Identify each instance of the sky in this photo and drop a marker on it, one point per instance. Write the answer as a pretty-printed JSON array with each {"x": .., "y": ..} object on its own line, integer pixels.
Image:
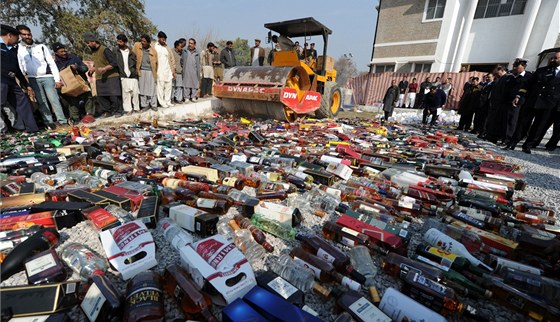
[{"x": 352, "y": 22}]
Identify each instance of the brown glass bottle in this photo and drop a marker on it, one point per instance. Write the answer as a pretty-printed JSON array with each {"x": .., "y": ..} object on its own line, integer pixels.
[
  {"x": 324, "y": 271},
  {"x": 321, "y": 248},
  {"x": 193, "y": 303},
  {"x": 349, "y": 237},
  {"x": 258, "y": 235},
  {"x": 144, "y": 298},
  {"x": 213, "y": 206}
]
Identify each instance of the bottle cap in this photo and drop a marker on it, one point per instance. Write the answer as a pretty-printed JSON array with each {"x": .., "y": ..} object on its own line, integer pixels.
[
  {"x": 374, "y": 295},
  {"x": 355, "y": 275},
  {"x": 321, "y": 290}
]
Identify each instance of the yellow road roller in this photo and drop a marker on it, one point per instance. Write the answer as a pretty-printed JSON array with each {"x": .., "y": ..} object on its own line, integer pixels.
[{"x": 291, "y": 87}]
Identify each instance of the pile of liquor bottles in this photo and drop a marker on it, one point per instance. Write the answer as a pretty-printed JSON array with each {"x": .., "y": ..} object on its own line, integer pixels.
[{"x": 328, "y": 206}]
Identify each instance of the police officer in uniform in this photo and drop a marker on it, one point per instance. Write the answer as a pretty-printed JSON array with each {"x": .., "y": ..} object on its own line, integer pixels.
[
  {"x": 542, "y": 93},
  {"x": 10, "y": 92}
]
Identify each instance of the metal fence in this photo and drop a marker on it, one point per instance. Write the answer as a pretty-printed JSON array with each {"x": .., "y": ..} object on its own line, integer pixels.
[{"x": 369, "y": 89}]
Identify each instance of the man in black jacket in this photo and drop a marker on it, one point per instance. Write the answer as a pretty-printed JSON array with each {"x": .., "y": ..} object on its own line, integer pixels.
[
  {"x": 542, "y": 93},
  {"x": 126, "y": 61},
  {"x": 10, "y": 92},
  {"x": 432, "y": 101},
  {"x": 514, "y": 82},
  {"x": 75, "y": 104}
]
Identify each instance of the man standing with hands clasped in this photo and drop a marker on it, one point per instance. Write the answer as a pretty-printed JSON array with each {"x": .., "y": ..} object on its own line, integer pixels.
[{"x": 107, "y": 80}]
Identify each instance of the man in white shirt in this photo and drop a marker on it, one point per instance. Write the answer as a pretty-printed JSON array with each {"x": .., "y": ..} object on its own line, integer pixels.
[
  {"x": 37, "y": 63},
  {"x": 166, "y": 70}
]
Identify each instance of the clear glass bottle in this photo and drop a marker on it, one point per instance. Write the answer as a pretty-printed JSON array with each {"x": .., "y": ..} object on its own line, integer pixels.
[
  {"x": 122, "y": 215},
  {"x": 244, "y": 240},
  {"x": 82, "y": 260},
  {"x": 363, "y": 263},
  {"x": 174, "y": 234},
  {"x": 300, "y": 278}
]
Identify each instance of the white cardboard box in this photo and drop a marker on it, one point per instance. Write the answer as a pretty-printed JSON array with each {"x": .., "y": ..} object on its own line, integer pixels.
[
  {"x": 216, "y": 261},
  {"x": 129, "y": 248},
  {"x": 340, "y": 170}
]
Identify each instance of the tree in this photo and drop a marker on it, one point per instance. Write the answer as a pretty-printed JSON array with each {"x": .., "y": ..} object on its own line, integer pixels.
[
  {"x": 240, "y": 48},
  {"x": 345, "y": 69},
  {"x": 68, "y": 20}
]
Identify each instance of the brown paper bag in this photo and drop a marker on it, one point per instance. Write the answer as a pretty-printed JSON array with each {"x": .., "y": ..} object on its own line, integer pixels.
[{"x": 74, "y": 85}]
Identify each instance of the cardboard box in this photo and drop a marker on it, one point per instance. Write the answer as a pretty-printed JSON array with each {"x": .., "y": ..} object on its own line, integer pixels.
[
  {"x": 289, "y": 217},
  {"x": 71, "y": 149},
  {"x": 41, "y": 218},
  {"x": 148, "y": 211},
  {"x": 100, "y": 218},
  {"x": 329, "y": 63},
  {"x": 115, "y": 199},
  {"x": 134, "y": 196},
  {"x": 40, "y": 299},
  {"x": 130, "y": 248},
  {"x": 82, "y": 195},
  {"x": 275, "y": 308},
  {"x": 376, "y": 235},
  {"x": 241, "y": 311},
  {"x": 218, "y": 262},
  {"x": 340, "y": 170},
  {"x": 22, "y": 200}
]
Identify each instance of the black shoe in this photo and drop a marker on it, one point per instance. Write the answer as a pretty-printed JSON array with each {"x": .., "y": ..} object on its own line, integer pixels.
[
  {"x": 117, "y": 115},
  {"x": 526, "y": 150},
  {"x": 51, "y": 126},
  {"x": 550, "y": 148},
  {"x": 153, "y": 109},
  {"x": 473, "y": 131}
]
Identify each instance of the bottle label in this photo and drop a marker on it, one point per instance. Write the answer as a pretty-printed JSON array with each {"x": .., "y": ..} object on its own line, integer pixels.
[
  {"x": 206, "y": 203},
  {"x": 40, "y": 264},
  {"x": 443, "y": 254},
  {"x": 350, "y": 231},
  {"x": 303, "y": 263},
  {"x": 230, "y": 182},
  {"x": 407, "y": 202},
  {"x": 348, "y": 242},
  {"x": 422, "y": 280},
  {"x": 529, "y": 216},
  {"x": 351, "y": 284},
  {"x": 325, "y": 256},
  {"x": 148, "y": 296},
  {"x": 443, "y": 266},
  {"x": 366, "y": 311},
  {"x": 93, "y": 302},
  {"x": 282, "y": 287}
]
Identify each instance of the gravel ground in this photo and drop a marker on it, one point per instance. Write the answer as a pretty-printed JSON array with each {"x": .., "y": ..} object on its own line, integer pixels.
[{"x": 542, "y": 171}]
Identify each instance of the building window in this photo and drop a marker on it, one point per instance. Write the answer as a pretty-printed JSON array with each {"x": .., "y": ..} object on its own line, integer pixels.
[
  {"x": 384, "y": 68},
  {"x": 422, "y": 67},
  {"x": 499, "y": 8},
  {"x": 434, "y": 9}
]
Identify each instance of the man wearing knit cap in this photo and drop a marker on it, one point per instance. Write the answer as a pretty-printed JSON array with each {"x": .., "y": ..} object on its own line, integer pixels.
[
  {"x": 10, "y": 91},
  {"x": 64, "y": 59},
  {"x": 107, "y": 81},
  {"x": 165, "y": 70}
]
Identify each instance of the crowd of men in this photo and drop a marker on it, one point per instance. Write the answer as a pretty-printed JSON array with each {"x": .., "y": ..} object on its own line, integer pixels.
[
  {"x": 427, "y": 95},
  {"x": 508, "y": 107},
  {"x": 129, "y": 77}
]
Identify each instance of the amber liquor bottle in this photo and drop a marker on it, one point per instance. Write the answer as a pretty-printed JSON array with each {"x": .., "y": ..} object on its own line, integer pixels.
[
  {"x": 193, "y": 303},
  {"x": 144, "y": 299}
]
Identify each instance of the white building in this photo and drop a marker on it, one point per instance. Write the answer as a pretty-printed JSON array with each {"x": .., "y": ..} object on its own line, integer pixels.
[{"x": 450, "y": 35}]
